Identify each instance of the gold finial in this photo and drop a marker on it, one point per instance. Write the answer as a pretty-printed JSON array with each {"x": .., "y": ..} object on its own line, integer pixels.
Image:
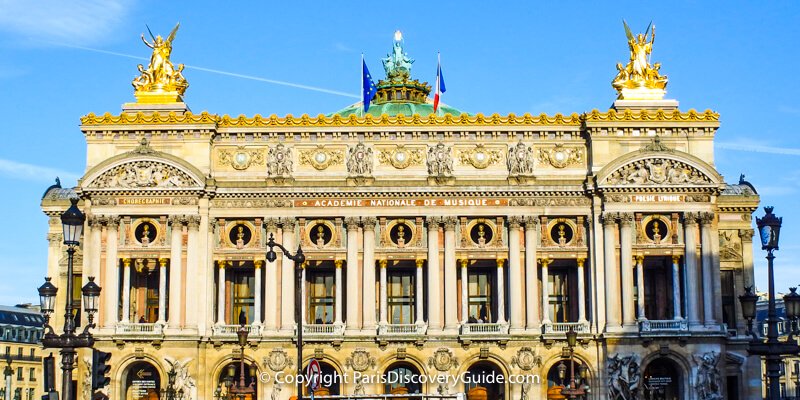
[
  {"x": 161, "y": 82},
  {"x": 639, "y": 80}
]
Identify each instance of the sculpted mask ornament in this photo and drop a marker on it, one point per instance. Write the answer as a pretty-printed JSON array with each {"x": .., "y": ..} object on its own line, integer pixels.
[
  {"x": 279, "y": 161},
  {"x": 440, "y": 163},
  {"x": 443, "y": 360},
  {"x": 400, "y": 157},
  {"x": 707, "y": 381},
  {"x": 278, "y": 360},
  {"x": 161, "y": 82},
  {"x": 479, "y": 157},
  {"x": 624, "y": 377},
  {"x": 359, "y": 160},
  {"x": 639, "y": 80},
  {"x": 560, "y": 156},
  {"x": 241, "y": 158},
  {"x": 320, "y": 158},
  {"x": 360, "y": 360},
  {"x": 520, "y": 160},
  {"x": 526, "y": 359}
]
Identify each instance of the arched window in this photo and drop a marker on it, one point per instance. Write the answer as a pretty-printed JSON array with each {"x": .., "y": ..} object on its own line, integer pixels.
[
  {"x": 331, "y": 381},
  {"x": 231, "y": 375},
  {"x": 662, "y": 380},
  {"x": 558, "y": 377},
  {"x": 402, "y": 378},
  {"x": 141, "y": 381},
  {"x": 484, "y": 381}
]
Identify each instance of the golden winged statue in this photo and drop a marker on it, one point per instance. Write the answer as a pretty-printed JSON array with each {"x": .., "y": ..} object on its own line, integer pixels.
[
  {"x": 639, "y": 80},
  {"x": 161, "y": 81}
]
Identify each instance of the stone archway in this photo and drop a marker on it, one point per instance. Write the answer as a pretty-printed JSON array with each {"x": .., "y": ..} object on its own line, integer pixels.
[
  {"x": 402, "y": 378},
  {"x": 331, "y": 383},
  {"x": 141, "y": 381},
  {"x": 662, "y": 380},
  {"x": 485, "y": 381},
  {"x": 232, "y": 372},
  {"x": 556, "y": 382}
]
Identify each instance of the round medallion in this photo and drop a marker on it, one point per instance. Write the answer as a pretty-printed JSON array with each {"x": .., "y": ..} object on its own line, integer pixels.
[
  {"x": 480, "y": 156},
  {"x": 320, "y": 157},
  {"x": 400, "y": 156},
  {"x": 559, "y": 156}
]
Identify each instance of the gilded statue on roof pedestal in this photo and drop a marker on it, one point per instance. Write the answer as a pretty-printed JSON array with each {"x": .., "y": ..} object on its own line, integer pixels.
[
  {"x": 161, "y": 82},
  {"x": 639, "y": 80}
]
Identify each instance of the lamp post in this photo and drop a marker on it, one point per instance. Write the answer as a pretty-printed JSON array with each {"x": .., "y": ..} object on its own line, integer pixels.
[
  {"x": 8, "y": 372},
  {"x": 298, "y": 258},
  {"x": 578, "y": 386},
  {"x": 72, "y": 222},
  {"x": 237, "y": 390},
  {"x": 772, "y": 349},
  {"x": 170, "y": 393}
]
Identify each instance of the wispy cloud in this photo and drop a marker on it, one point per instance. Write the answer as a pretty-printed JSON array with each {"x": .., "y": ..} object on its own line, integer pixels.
[
  {"x": 83, "y": 21},
  {"x": 33, "y": 173},
  {"x": 338, "y": 46},
  {"x": 754, "y": 148}
]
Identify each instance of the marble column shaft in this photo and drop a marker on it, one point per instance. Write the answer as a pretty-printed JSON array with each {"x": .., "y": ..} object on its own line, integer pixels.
[
  {"x": 613, "y": 305},
  {"x": 450, "y": 310},
  {"x": 640, "y": 286},
  {"x": 581, "y": 291},
  {"x": 111, "y": 289},
  {"x": 434, "y": 307},
  {"x": 176, "y": 271},
  {"x": 287, "y": 276},
  {"x": 368, "y": 292},
  {"x": 126, "y": 290},
  {"x": 352, "y": 320},
  {"x": 676, "y": 287},
  {"x": 626, "y": 261},
  {"x": 531, "y": 273},
  {"x": 419, "y": 306},
  {"x": 515, "y": 278},
  {"x": 692, "y": 274}
]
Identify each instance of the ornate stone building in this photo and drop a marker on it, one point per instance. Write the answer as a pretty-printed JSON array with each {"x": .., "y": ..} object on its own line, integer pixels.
[
  {"x": 20, "y": 342},
  {"x": 438, "y": 244}
]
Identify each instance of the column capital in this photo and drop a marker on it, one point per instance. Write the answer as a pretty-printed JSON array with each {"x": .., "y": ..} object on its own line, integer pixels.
[
  {"x": 96, "y": 221},
  {"x": 500, "y": 262},
  {"x": 676, "y": 259},
  {"x": 420, "y": 262},
  {"x": 112, "y": 221},
  {"x": 626, "y": 218},
  {"x": 368, "y": 223},
  {"x": 746, "y": 234},
  {"x": 638, "y": 259},
  {"x": 450, "y": 223},
  {"x": 257, "y": 264},
  {"x": 162, "y": 262},
  {"x": 193, "y": 221},
  {"x": 338, "y": 263},
  {"x": 545, "y": 261},
  {"x": 531, "y": 222},
  {"x": 352, "y": 223},
  {"x": 581, "y": 261},
  {"x": 287, "y": 224},
  {"x": 515, "y": 221},
  {"x": 706, "y": 218},
  {"x": 433, "y": 222},
  {"x": 126, "y": 262},
  {"x": 463, "y": 263},
  {"x": 690, "y": 218},
  {"x": 221, "y": 264},
  {"x": 609, "y": 218},
  {"x": 383, "y": 263},
  {"x": 57, "y": 237},
  {"x": 271, "y": 224},
  {"x": 176, "y": 220}
]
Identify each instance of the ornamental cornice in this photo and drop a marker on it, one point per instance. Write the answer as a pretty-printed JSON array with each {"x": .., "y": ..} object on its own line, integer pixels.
[
  {"x": 171, "y": 118},
  {"x": 650, "y": 116}
]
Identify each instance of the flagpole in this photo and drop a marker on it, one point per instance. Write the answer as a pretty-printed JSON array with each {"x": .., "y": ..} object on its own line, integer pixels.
[
  {"x": 362, "y": 85},
  {"x": 438, "y": 73}
]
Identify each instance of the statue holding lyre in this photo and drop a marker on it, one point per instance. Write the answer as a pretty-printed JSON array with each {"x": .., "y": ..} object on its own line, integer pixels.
[{"x": 161, "y": 81}]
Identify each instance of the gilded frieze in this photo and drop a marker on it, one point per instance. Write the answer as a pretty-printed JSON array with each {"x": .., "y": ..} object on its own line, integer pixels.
[
  {"x": 321, "y": 158},
  {"x": 657, "y": 171},
  {"x": 143, "y": 174},
  {"x": 480, "y": 156},
  {"x": 240, "y": 158},
  {"x": 560, "y": 156},
  {"x": 400, "y": 157}
]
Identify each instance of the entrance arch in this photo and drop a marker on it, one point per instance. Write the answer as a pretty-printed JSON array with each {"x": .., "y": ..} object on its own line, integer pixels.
[
  {"x": 402, "y": 378},
  {"x": 485, "y": 381},
  {"x": 556, "y": 382},
  {"x": 662, "y": 380},
  {"x": 141, "y": 381},
  {"x": 331, "y": 381},
  {"x": 232, "y": 372}
]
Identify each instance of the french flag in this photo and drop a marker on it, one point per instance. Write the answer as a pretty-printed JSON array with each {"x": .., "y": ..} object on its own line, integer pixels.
[{"x": 439, "y": 84}]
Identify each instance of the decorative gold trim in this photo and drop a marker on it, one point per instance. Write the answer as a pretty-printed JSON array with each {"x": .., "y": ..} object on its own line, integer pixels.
[
  {"x": 480, "y": 156},
  {"x": 320, "y": 158},
  {"x": 240, "y": 158},
  {"x": 560, "y": 156},
  {"x": 651, "y": 115},
  {"x": 410, "y": 157}
]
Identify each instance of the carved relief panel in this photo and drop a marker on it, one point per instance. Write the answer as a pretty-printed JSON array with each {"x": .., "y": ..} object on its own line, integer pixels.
[
  {"x": 320, "y": 234},
  {"x": 402, "y": 233},
  {"x": 481, "y": 232},
  {"x": 143, "y": 232},
  {"x": 239, "y": 234},
  {"x": 563, "y": 231}
]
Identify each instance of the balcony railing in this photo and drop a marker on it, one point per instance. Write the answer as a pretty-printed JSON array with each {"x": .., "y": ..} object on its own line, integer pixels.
[
  {"x": 564, "y": 327},
  {"x": 139, "y": 329},
  {"x": 484, "y": 329},
  {"x": 667, "y": 325},
  {"x": 230, "y": 330},
  {"x": 402, "y": 329},
  {"x": 323, "y": 330}
]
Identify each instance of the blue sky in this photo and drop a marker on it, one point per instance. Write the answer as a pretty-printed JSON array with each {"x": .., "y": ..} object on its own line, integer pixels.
[{"x": 61, "y": 60}]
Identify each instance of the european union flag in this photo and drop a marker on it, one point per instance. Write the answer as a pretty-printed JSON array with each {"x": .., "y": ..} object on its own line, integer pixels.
[{"x": 367, "y": 86}]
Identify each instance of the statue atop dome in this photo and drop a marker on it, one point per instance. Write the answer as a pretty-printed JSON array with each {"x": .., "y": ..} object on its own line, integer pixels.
[
  {"x": 161, "y": 82},
  {"x": 397, "y": 64},
  {"x": 639, "y": 80}
]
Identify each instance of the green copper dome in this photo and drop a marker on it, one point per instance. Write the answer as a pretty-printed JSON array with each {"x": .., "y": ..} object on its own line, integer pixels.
[{"x": 398, "y": 93}]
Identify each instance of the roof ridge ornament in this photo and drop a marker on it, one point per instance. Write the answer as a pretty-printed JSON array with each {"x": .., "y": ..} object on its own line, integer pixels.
[
  {"x": 161, "y": 82},
  {"x": 656, "y": 145},
  {"x": 640, "y": 80}
]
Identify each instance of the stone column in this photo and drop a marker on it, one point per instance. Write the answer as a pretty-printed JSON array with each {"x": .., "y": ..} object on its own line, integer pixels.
[
  {"x": 708, "y": 276},
  {"x": 501, "y": 291},
  {"x": 613, "y": 309},
  {"x": 464, "y": 290},
  {"x": 640, "y": 286},
  {"x": 162, "y": 291},
  {"x": 339, "y": 289},
  {"x": 111, "y": 289},
  {"x": 450, "y": 313},
  {"x": 221, "y": 292},
  {"x": 368, "y": 272},
  {"x": 434, "y": 308},
  {"x": 716, "y": 277},
  {"x": 514, "y": 273},
  {"x": 545, "y": 291},
  {"x": 676, "y": 287},
  {"x": 531, "y": 273},
  {"x": 626, "y": 259},
  {"x": 581, "y": 291},
  {"x": 419, "y": 307},
  {"x": 257, "y": 308},
  {"x": 352, "y": 273},
  {"x": 287, "y": 276},
  {"x": 747, "y": 255},
  {"x": 176, "y": 271},
  {"x": 193, "y": 277},
  {"x": 384, "y": 295},
  {"x": 272, "y": 293},
  {"x": 690, "y": 267},
  {"x": 96, "y": 225},
  {"x": 126, "y": 290}
]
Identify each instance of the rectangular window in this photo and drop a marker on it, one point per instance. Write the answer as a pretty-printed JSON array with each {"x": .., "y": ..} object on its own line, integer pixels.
[
  {"x": 76, "y": 298},
  {"x": 558, "y": 287},
  {"x": 32, "y": 374},
  {"x": 33, "y": 353},
  {"x": 728, "y": 298},
  {"x": 400, "y": 295},
  {"x": 242, "y": 295},
  {"x": 321, "y": 297},
  {"x": 481, "y": 289},
  {"x": 19, "y": 352},
  {"x": 19, "y": 373}
]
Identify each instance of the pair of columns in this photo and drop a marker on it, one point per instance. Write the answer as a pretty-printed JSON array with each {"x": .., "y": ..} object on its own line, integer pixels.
[
  {"x": 546, "y": 290},
  {"x": 676, "y": 287},
  {"x": 162, "y": 290},
  {"x": 384, "y": 285}
]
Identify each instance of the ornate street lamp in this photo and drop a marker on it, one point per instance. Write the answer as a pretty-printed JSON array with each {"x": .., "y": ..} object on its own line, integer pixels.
[
  {"x": 170, "y": 393},
  {"x": 769, "y": 228},
  {"x": 749, "y": 301},
  {"x": 578, "y": 386},
  {"x": 298, "y": 258},
  {"x": 238, "y": 390},
  {"x": 791, "y": 303},
  {"x": 8, "y": 372},
  {"x": 72, "y": 223}
]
